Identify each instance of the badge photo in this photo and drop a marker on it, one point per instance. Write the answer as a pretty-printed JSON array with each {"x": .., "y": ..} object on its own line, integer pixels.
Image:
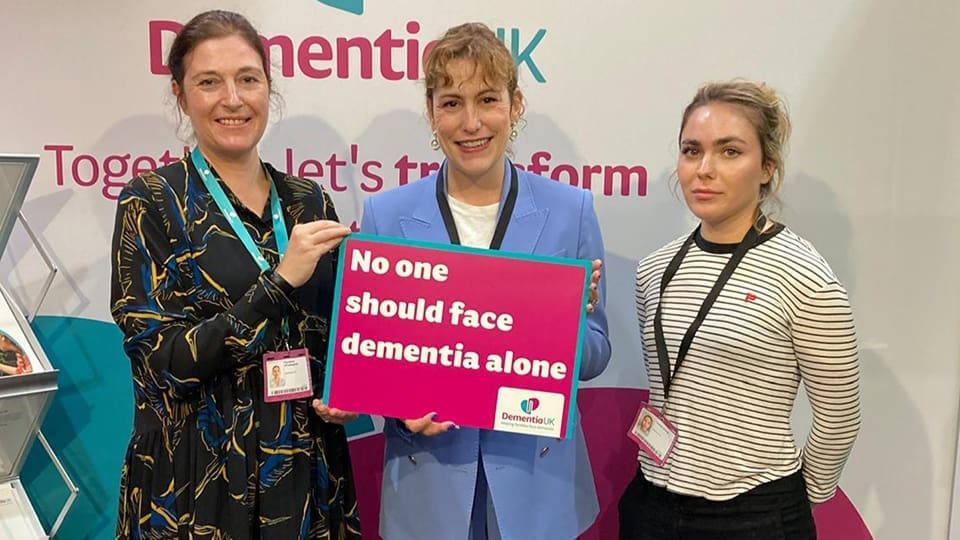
[
  {"x": 653, "y": 433},
  {"x": 286, "y": 375}
]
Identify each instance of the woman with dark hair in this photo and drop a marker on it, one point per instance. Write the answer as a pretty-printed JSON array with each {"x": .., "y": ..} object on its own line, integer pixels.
[{"x": 221, "y": 262}]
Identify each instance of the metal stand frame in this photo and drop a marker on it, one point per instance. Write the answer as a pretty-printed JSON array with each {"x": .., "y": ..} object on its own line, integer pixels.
[
  {"x": 30, "y": 315},
  {"x": 74, "y": 490},
  {"x": 46, "y": 260}
]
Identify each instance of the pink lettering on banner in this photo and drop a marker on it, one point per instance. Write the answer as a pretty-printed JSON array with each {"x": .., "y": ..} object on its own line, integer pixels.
[
  {"x": 338, "y": 172},
  {"x": 631, "y": 180},
  {"x": 422, "y": 327},
  {"x": 110, "y": 172},
  {"x": 318, "y": 57},
  {"x": 156, "y": 29}
]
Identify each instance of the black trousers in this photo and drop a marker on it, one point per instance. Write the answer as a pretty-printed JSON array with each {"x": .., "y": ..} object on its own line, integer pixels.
[{"x": 777, "y": 510}]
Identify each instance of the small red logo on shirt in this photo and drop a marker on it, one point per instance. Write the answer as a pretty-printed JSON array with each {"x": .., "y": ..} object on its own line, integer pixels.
[{"x": 750, "y": 297}]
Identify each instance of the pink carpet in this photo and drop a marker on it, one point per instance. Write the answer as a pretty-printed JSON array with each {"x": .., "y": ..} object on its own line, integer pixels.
[{"x": 607, "y": 413}]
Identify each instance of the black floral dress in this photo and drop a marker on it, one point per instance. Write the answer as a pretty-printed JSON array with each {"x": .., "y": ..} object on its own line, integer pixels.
[{"x": 208, "y": 458}]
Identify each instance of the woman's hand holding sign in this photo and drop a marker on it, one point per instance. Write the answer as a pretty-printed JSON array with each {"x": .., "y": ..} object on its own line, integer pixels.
[
  {"x": 426, "y": 426},
  {"x": 308, "y": 242},
  {"x": 332, "y": 415},
  {"x": 593, "y": 298}
]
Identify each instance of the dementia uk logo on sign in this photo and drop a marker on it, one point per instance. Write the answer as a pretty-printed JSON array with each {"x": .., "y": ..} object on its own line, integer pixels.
[
  {"x": 549, "y": 407},
  {"x": 529, "y": 405}
]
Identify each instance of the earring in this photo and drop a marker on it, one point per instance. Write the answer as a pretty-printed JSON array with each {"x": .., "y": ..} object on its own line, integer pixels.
[
  {"x": 434, "y": 143},
  {"x": 513, "y": 131}
]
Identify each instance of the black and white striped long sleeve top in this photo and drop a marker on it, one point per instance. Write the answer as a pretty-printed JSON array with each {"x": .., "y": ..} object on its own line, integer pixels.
[{"x": 783, "y": 317}]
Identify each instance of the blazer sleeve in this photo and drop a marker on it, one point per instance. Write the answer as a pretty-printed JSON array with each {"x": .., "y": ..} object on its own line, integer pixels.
[{"x": 596, "y": 344}]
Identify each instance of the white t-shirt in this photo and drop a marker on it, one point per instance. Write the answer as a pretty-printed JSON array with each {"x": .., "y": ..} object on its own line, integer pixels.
[{"x": 475, "y": 224}]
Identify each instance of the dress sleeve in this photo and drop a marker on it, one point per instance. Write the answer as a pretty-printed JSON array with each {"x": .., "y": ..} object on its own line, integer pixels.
[
  {"x": 156, "y": 300},
  {"x": 596, "y": 344},
  {"x": 825, "y": 343}
]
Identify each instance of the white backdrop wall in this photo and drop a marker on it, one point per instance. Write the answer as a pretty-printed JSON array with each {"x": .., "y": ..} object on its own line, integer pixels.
[{"x": 871, "y": 177}]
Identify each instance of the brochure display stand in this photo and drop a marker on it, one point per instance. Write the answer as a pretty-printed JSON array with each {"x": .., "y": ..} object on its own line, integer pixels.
[{"x": 27, "y": 380}]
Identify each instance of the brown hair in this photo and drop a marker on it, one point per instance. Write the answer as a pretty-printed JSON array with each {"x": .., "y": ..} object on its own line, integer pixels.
[
  {"x": 472, "y": 41},
  {"x": 212, "y": 25},
  {"x": 766, "y": 111}
]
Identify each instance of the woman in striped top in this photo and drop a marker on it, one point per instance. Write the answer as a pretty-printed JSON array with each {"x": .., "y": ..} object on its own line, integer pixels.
[{"x": 733, "y": 317}]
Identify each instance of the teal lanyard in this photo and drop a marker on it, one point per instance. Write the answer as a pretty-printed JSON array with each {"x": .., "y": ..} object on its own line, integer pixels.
[{"x": 230, "y": 213}]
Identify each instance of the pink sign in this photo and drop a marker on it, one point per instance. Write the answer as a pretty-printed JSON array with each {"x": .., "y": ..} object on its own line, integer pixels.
[{"x": 486, "y": 339}]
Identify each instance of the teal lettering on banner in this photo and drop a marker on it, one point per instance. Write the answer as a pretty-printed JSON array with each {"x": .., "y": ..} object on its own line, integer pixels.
[
  {"x": 350, "y": 6},
  {"x": 524, "y": 56}
]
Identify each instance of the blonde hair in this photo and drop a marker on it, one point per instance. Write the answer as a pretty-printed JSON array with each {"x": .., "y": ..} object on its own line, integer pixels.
[
  {"x": 476, "y": 42},
  {"x": 767, "y": 112}
]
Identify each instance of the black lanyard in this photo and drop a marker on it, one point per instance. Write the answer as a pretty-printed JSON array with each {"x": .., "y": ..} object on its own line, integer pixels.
[
  {"x": 505, "y": 213},
  {"x": 749, "y": 240}
]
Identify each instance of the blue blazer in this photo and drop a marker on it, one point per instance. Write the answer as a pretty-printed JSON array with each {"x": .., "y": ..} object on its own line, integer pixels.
[{"x": 542, "y": 488}]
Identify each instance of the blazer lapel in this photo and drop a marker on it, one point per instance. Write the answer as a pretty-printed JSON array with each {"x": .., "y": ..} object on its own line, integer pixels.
[
  {"x": 526, "y": 224},
  {"x": 424, "y": 222}
]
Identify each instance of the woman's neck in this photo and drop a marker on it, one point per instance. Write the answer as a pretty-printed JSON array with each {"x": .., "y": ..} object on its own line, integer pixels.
[
  {"x": 729, "y": 231},
  {"x": 244, "y": 176},
  {"x": 478, "y": 192},
  {"x": 237, "y": 172}
]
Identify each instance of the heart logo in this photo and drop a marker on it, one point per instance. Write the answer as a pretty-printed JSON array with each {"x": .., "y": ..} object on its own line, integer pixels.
[
  {"x": 750, "y": 297},
  {"x": 529, "y": 405}
]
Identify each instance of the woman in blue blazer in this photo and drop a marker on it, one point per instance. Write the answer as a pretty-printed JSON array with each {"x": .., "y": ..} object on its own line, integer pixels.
[{"x": 442, "y": 482}]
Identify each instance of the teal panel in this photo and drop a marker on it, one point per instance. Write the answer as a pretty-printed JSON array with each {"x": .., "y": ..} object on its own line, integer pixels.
[{"x": 88, "y": 426}]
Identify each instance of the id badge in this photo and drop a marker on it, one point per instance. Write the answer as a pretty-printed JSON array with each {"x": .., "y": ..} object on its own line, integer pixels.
[
  {"x": 286, "y": 375},
  {"x": 653, "y": 433}
]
